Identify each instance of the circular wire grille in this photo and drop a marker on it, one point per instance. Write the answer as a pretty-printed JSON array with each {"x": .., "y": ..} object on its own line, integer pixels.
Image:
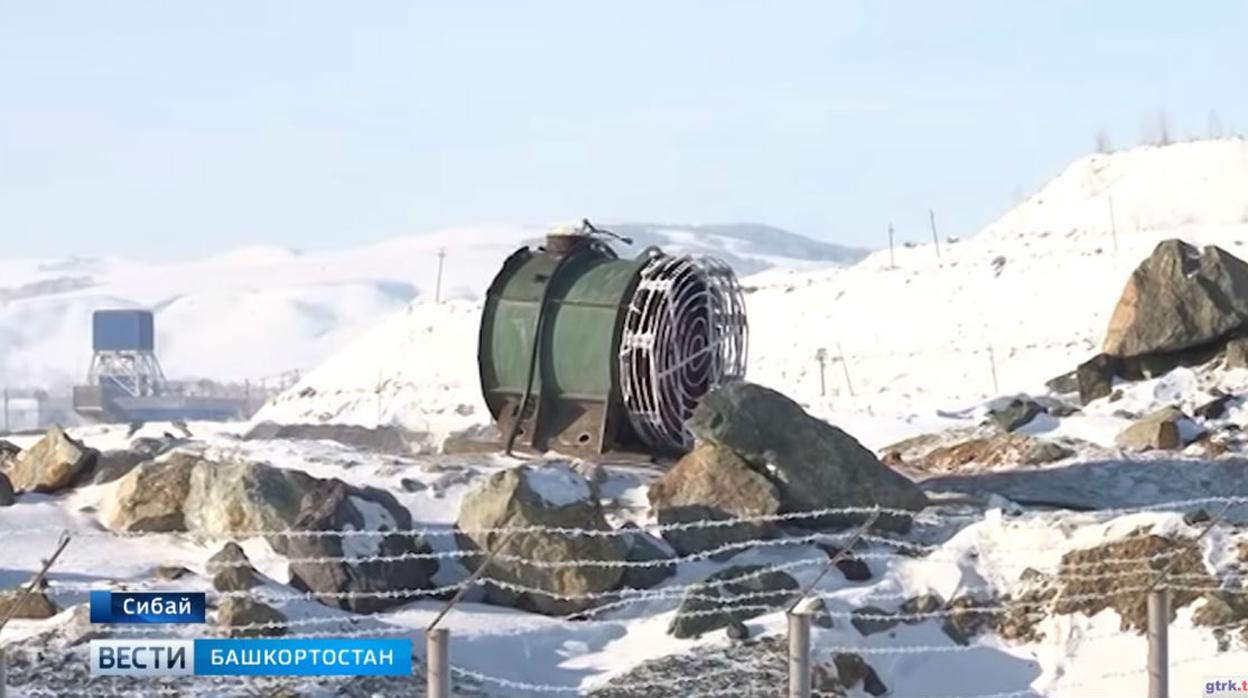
[{"x": 684, "y": 333}]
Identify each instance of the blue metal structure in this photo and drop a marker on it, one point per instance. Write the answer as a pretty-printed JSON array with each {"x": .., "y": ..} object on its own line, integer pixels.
[
  {"x": 126, "y": 383},
  {"x": 123, "y": 330}
]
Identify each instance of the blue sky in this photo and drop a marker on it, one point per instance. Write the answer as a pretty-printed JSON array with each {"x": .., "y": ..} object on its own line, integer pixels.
[{"x": 180, "y": 128}]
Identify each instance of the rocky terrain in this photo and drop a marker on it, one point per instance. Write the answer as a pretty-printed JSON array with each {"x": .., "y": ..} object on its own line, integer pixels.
[{"x": 951, "y": 537}]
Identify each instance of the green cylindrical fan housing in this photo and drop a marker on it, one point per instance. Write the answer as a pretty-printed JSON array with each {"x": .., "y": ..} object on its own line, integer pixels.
[{"x": 583, "y": 352}]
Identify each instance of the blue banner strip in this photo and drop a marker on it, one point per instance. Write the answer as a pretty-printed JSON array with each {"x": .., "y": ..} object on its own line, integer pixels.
[
  {"x": 148, "y": 607},
  {"x": 303, "y": 657}
]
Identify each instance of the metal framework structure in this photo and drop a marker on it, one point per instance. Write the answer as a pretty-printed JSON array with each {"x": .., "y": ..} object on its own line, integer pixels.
[
  {"x": 134, "y": 373},
  {"x": 685, "y": 332}
]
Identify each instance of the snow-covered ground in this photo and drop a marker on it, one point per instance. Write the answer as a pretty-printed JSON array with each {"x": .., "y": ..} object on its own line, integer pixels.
[
  {"x": 926, "y": 340},
  {"x": 260, "y": 311}
]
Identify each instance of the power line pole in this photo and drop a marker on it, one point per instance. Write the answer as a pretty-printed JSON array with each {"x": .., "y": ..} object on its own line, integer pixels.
[
  {"x": 437, "y": 293},
  {"x": 892, "y": 261}
]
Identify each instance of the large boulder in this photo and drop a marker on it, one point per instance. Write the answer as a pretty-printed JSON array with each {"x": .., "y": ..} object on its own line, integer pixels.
[
  {"x": 184, "y": 492},
  {"x": 814, "y": 465},
  {"x": 151, "y": 498},
  {"x": 731, "y": 596},
  {"x": 54, "y": 463},
  {"x": 540, "y": 496},
  {"x": 359, "y": 573},
  {"x": 1179, "y": 298},
  {"x": 231, "y": 499},
  {"x": 712, "y": 483}
]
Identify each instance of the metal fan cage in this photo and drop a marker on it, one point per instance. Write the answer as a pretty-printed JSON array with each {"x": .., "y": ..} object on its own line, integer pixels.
[{"x": 685, "y": 333}]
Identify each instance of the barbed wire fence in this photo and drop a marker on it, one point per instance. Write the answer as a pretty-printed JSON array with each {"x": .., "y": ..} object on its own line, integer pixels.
[{"x": 1121, "y": 575}]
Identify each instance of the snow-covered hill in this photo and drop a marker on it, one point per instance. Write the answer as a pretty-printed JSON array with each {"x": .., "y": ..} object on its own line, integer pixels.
[
  {"x": 263, "y": 310},
  {"x": 920, "y": 330}
]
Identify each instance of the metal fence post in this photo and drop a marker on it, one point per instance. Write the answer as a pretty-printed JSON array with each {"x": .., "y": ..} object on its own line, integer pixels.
[
  {"x": 1158, "y": 650},
  {"x": 437, "y": 663},
  {"x": 799, "y": 654}
]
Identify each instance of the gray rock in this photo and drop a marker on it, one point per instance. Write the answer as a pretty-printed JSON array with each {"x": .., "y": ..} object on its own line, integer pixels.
[
  {"x": 410, "y": 485},
  {"x": 870, "y": 620},
  {"x": 821, "y": 616},
  {"x": 853, "y": 568},
  {"x": 359, "y": 585},
  {"x": 852, "y": 669},
  {"x": 7, "y": 496},
  {"x": 1063, "y": 384},
  {"x": 170, "y": 572},
  {"x": 233, "y": 499},
  {"x": 967, "y": 618},
  {"x": 231, "y": 570},
  {"x": 1214, "y": 408},
  {"x": 731, "y": 596},
  {"x": 240, "y": 616},
  {"x": 1096, "y": 377},
  {"x": 547, "y": 496},
  {"x": 919, "y": 606},
  {"x": 738, "y": 631},
  {"x": 152, "y": 496},
  {"x": 8, "y": 451},
  {"x": 1179, "y": 298},
  {"x": 814, "y": 464},
  {"x": 1044, "y": 451},
  {"x": 113, "y": 465},
  {"x": 54, "y": 463},
  {"x": 644, "y": 548},
  {"x": 1237, "y": 353},
  {"x": 1015, "y": 414},
  {"x": 713, "y": 483}
]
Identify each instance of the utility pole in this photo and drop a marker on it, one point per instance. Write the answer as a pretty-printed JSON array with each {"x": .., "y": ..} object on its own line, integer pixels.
[
  {"x": 892, "y": 261},
  {"x": 437, "y": 293},
  {"x": 821, "y": 355}
]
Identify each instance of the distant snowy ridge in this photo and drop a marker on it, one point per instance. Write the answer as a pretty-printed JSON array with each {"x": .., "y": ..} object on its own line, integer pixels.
[{"x": 262, "y": 310}]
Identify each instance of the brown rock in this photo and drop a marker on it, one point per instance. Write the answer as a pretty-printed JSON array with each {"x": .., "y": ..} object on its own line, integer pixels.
[
  {"x": 996, "y": 450},
  {"x": 52, "y": 464},
  {"x": 1159, "y": 430},
  {"x": 1088, "y": 578},
  {"x": 1237, "y": 353},
  {"x": 151, "y": 497},
  {"x": 35, "y": 606},
  {"x": 712, "y": 483},
  {"x": 517, "y": 497}
]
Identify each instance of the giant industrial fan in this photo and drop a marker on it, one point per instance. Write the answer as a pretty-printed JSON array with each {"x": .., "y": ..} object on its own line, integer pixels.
[{"x": 584, "y": 353}]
